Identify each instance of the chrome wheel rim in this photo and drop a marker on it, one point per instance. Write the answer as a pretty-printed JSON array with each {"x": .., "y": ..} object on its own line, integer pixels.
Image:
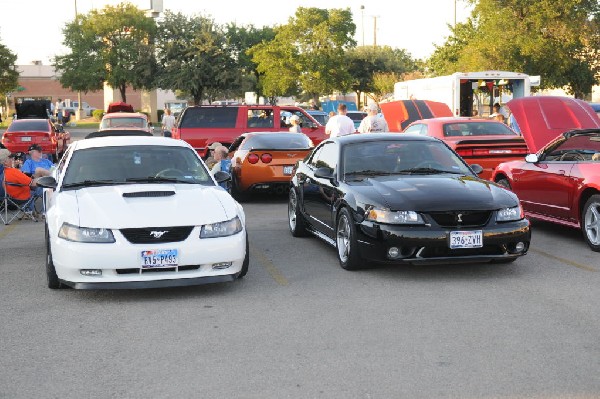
[
  {"x": 592, "y": 223},
  {"x": 343, "y": 238},
  {"x": 292, "y": 210}
]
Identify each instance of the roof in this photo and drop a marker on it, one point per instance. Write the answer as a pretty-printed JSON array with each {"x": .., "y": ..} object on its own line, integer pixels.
[
  {"x": 365, "y": 137},
  {"x": 125, "y": 115},
  {"x": 117, "y": 141}
]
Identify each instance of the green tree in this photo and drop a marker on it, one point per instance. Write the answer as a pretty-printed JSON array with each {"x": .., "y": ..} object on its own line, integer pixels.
[
  {"x": 371, "y": 67},
  {"x": 113, "y": 45},
  {"x": 557, "y": 40},
  {"x": 307, "y": 54},
  {"x": 194, "y": 58},
  {"x": 240, "y": 39},
  {"x": 9, "y": 76}
]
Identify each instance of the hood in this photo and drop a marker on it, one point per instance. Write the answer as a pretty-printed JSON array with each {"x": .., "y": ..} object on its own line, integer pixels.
[
  {"x": 33, "y": 109},
  {"x": 148, "y": 205},
  {"x": 541, "y": 119},
  {"x": 400, "y": 114},
  {"x": 422, "y": 193}
]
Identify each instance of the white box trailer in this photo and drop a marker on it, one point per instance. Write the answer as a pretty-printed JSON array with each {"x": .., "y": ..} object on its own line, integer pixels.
[{"x": 465, "y": 92}]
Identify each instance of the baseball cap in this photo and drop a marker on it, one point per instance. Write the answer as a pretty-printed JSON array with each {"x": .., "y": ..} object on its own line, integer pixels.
[
  {"x": 214, "y": 145},
  {"x": 17, "y": 155},
  {"x": 4, "y": 155},
  {"x": 35, "y": 147},
  {"x": 373, "y": 107}
]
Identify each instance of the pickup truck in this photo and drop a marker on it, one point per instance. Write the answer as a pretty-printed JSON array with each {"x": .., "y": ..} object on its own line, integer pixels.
[
  {"x": 71, "y": 107},
  {"x": 201, "y": 126}
]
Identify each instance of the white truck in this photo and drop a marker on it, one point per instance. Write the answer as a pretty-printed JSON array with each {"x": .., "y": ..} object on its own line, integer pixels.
[
  {"x": 71, "y": 106},
  {"x": 467, "y": 93}
]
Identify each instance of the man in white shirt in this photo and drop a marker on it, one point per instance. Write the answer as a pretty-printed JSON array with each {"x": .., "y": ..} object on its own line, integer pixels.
[
  {"x": 373, "y": 123},
  {"x": 340, "y": 124},
  {"x": 168, "y": 121}
]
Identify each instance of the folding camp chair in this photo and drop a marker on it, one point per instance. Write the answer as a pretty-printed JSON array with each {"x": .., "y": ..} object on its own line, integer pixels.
[{"x": 12, "y": 208}]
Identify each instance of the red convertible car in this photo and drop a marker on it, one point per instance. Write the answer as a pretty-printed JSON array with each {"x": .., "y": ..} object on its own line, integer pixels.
[{"x": 560, "y": 182}]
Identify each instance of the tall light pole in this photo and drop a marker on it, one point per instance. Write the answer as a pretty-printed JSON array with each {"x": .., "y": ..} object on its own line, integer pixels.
[
  {"x": 454, "y": 14},
  {"x": 79, "y": 111},
  {"x": 362, "y": 28},
  {"x": 375, "y": 30}
]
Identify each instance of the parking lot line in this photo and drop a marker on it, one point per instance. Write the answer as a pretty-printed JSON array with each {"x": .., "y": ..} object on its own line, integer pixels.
[
  {"x": 563, "y": 260},
  {"x": 269, "y": 266},
  {"x": 6, "y": 230}
]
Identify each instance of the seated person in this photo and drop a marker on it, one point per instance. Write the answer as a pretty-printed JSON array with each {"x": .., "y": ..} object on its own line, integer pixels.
[
  {"x": 36, "y": 165},
  {"x": 19, "y": 191}
]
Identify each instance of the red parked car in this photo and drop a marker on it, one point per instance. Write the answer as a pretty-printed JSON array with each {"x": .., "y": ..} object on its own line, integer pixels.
[
  {"x": 33, "y": 126},
  {"x": 560, "y": 181},
  {"x": 478, "y": 141}
]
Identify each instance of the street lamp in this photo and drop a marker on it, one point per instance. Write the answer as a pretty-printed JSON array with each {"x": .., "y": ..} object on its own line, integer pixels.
[{"x": 362, "y": 28}]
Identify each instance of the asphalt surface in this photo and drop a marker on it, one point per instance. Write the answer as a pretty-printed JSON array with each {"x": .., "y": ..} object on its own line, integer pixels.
[{"x": 298, "y": 326}]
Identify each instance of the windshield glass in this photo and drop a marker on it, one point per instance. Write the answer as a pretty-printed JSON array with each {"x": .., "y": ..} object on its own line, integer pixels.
[
  {"x": 109, "y": 123},
  {"x": 29, "y": 126},
  {"x": 277, "y": 141},
  {"x": 477, "y": 129},
  {"x": 129, "y": 164},
  {"x": 400, "y": 157}
]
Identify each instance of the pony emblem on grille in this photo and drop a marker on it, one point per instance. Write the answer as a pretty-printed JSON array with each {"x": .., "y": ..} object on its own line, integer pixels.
[{"x": 158, "y": 234}]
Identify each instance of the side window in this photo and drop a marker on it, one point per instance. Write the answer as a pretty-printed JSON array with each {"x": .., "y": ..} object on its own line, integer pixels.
[
  {"x": 327, "y": 157},
  {"x": 260, "y": 118},
  {"x": 417, "y": 129}
]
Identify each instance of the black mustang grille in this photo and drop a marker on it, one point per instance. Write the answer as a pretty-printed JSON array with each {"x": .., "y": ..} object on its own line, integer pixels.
[
  {"x": 148, "y": 235},
  {"x": 461, "y": 219}
]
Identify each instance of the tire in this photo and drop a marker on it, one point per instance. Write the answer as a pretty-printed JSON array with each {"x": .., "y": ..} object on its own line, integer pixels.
[
  {"x": 246, "y": 260},
  {"x": 504, "y": 183},
  {"x": 590, "y": 222},
  {"x": 51, "y": 276},
  {"x": 236, "y": 192},
  {"x": 345, "y": 241},
  {"x": 296, "y": 221}
]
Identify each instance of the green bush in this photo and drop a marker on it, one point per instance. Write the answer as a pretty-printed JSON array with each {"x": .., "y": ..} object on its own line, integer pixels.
[
  {"x": 160, "y": 113},
  {"x": 98, "y": 114}
]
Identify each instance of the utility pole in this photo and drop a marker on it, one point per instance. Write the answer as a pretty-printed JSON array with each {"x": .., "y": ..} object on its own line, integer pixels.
[
  {"x": 454, "y": 14},
  {"x": 375, "y": 30},
  {"x": 79, "y": 111}
]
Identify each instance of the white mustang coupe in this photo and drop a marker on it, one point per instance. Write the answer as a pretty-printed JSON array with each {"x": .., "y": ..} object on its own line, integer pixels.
[{"x": 140, "y": 212}]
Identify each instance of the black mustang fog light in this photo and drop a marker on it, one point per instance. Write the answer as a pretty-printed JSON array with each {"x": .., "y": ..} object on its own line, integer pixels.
[
  {"x": 516, "y": 248},
  {"x": 400, "y": 252},
  {"x": 393, "y": 253}
]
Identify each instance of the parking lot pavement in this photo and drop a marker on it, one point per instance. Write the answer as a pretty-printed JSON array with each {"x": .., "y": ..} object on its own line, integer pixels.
[{"x": 299, "y": 326}]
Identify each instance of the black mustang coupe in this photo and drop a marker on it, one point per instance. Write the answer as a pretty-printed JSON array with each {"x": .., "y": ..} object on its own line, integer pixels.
[{"x": 396, "y": 198}]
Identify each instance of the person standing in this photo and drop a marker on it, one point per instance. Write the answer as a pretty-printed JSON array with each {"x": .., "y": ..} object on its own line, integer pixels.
[
  {"x": 312, "y": 105},
  {"x": 373, "y": 123},
  {"x": 58, "y": 113},
  {"x": 340, "y": 124},
  {"x": 168, "y": 122}
]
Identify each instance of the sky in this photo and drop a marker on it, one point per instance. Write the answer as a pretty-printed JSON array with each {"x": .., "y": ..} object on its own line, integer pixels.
[{"x": 32, "y": 29}]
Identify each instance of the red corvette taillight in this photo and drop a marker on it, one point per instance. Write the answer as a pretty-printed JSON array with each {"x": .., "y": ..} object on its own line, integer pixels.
[
  {"x": 253, "y": 158},
  {"x": 266, "y": 158}
]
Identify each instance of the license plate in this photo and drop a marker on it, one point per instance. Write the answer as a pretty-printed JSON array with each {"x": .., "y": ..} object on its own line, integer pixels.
[
  {"x": 466, "y": 239},
  {"x": 25, "y": 138},
  {"x": 287, "y": 170},
  {"x": 155, "y": 258}
]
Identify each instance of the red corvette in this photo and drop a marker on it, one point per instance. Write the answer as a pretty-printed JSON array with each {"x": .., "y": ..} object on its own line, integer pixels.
[
  {"x": 477, "y": 141},
  {"x": 560, "y": 183}
]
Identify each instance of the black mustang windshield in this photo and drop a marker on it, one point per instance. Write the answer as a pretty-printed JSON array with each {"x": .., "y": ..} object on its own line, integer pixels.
[
  {"x": 380, "y": 158},
  {"x": 135, "y": 164}
]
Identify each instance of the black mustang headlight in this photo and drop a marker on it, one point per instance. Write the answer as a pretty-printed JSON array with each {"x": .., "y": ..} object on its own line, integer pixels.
[
  {"x": 510, "y": 214},
  {"x": 393, "y": 217}
]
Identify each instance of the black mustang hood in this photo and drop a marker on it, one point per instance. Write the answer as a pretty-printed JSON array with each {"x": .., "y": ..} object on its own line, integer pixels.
[{"x": 434, "y": 193}]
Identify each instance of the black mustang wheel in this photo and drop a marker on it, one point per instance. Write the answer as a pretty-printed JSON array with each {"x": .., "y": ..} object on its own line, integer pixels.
[
  {"x": 346, "y": 244},
  {"x": 295, "y": 218}
]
